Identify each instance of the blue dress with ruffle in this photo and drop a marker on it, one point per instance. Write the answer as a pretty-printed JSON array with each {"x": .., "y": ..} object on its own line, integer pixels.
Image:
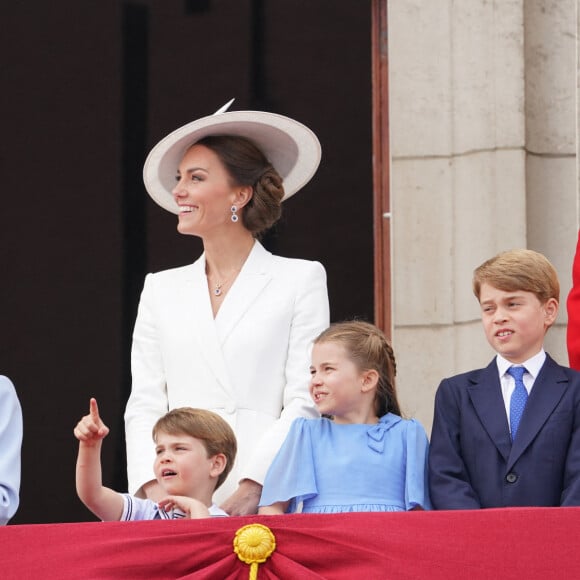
[{"x": 333, "y": 468}]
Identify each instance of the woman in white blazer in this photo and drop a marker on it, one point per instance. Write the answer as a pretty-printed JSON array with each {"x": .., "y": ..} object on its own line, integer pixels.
[{"x": 231, "y": 332}]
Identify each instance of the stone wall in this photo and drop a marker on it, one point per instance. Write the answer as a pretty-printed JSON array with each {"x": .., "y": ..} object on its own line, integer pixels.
[{"x": 483, "y": 142}]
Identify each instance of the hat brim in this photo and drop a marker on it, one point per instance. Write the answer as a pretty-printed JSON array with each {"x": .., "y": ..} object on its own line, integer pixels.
[{"x": 291, "y": 147}]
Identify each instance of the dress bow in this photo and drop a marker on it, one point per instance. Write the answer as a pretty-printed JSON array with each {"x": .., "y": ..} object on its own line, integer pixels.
[{"x": 376, "y": 433}]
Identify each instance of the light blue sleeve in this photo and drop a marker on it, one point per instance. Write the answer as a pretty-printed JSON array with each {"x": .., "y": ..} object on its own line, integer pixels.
[
  {"x": 10, "y": 447},
  {"x": 416, "y": 481},
  {"x": 291, "y": 475}
]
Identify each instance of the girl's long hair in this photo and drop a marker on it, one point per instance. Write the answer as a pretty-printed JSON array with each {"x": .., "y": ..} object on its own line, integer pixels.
[{"x": 368, "y": 348}]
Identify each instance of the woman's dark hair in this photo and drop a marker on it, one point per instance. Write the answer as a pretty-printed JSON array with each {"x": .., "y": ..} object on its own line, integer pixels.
[{"x": 247, "y": 165}]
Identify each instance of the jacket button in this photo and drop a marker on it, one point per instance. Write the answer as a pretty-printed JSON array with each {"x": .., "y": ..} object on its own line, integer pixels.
[{"x": 511, "y": 478}]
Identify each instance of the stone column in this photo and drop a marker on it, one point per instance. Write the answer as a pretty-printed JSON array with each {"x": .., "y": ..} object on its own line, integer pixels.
[
  {"x": 551, "y": 47},
  {"x": 458, "y": 178}
]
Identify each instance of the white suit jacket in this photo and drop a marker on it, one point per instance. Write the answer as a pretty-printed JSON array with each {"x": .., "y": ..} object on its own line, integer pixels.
[{"x": 250, "y": 364}]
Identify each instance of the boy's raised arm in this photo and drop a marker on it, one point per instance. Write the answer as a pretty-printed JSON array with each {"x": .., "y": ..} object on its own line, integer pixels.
[{"x": 105, "y": 503}]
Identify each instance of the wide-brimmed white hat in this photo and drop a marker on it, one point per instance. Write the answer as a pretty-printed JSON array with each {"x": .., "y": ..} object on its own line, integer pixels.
[{"x": 291, "y": 147}]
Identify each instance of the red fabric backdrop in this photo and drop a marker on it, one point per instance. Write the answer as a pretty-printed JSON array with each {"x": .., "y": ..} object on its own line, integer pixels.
[{"x": 519, "y": 543}]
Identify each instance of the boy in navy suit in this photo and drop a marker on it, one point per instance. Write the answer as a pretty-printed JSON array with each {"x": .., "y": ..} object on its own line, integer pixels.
[{"x": 509, "y": 434}]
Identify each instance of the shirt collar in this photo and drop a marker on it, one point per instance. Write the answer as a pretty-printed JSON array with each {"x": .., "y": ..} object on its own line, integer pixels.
[{"x": 533, "y": 364}]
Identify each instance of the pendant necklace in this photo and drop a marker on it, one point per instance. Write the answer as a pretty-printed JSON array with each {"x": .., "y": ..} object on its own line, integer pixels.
[
  {"x": 219, "y": 286},
  {"x": 217, "y": 291}
]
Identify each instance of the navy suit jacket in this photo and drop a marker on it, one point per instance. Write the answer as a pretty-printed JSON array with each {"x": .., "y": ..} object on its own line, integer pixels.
[{"x": 472, "y": 461}]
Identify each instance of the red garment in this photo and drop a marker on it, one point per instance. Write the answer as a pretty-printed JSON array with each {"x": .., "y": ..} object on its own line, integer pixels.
[{"x": 573, "y": 305}]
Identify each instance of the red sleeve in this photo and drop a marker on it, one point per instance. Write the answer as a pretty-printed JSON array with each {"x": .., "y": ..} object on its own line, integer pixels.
[{"x": 573, "y": 305}]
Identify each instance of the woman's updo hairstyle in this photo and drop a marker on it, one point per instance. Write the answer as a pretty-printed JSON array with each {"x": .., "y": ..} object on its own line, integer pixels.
[
  {"x": 247, "y": 165},
  {"x": 368, "y": 348}
]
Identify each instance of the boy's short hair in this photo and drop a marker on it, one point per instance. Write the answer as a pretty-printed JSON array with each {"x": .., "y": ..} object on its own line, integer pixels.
[
  {"x": 213, "y": 431},
  {"x": 519, "y": 270}
]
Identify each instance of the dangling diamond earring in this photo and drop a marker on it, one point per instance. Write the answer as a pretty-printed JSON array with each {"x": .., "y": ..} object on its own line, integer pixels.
[{"x": 234, "y": 217}]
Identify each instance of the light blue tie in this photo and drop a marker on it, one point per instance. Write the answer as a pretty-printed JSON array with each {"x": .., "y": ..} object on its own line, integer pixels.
[{"x": 518, "y": 400}]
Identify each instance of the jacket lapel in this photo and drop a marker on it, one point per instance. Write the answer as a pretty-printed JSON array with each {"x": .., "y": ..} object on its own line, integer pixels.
[
  {"x": 549, "y": 388},
  {"x": 251, "y": 281},
  {"x": 197, "y": 314},
  {"x": 485, "y": 393}
]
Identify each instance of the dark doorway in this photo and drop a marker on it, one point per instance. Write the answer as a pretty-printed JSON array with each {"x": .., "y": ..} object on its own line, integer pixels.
[{"x": 89, "y": 91}]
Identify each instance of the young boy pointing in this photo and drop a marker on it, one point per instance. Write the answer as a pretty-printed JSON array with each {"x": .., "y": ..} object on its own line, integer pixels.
[{"x": 195, "y": 451}]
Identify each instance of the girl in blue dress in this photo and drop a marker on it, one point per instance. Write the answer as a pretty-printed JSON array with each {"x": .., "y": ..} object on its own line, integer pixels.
[{"x": 361, "y": 455}]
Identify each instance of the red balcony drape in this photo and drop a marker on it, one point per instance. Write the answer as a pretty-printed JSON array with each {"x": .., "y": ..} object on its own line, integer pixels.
[{"x": 498, "y": 544}]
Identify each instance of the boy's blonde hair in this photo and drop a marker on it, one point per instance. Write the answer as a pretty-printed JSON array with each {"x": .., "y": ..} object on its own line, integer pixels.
[
  {"x": 368, "y": 348},
  {"x": 519, "y": 270},
  {"x": 213, "y": 431}
]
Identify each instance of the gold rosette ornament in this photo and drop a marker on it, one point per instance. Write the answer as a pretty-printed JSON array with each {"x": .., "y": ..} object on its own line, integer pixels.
[{"x": 254, "y": 544}]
